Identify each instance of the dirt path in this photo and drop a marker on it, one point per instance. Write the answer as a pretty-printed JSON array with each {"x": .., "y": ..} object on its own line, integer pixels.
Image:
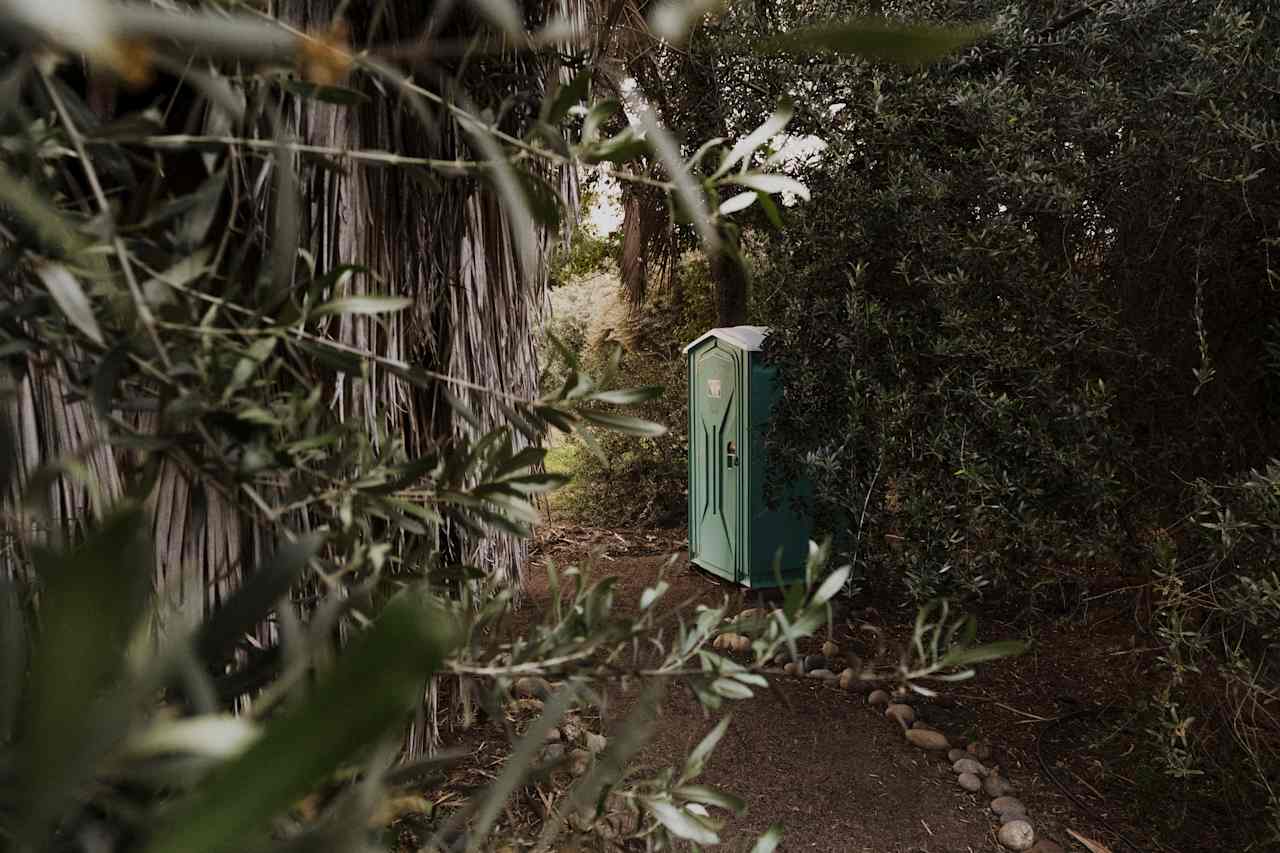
[
  {"x": 817, "y": 759},
  {"x": 838, "y": 776},
  {"x": 834, "y": 774}
]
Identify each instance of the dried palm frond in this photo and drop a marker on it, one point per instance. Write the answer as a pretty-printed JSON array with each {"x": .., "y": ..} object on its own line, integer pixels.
[
  {"x": 46, "y": 428},
  {"x": 648, "y": 245},
  {"x": 450, "y": 246}
]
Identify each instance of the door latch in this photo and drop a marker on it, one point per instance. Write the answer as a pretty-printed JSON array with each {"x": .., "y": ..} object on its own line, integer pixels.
[{"x": 731, "y": 455}]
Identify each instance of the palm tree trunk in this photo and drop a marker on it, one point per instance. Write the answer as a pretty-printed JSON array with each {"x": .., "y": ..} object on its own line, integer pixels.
[
  {"x": 47, "y": 429},
  {"x": 477, "y": 310}
]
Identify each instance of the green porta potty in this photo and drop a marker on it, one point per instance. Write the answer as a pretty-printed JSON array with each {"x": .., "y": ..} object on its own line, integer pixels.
[{"x": 732, "y": 531}]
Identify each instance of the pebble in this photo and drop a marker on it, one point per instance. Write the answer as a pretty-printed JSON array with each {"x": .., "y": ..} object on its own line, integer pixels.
[
  {"x": 847, "y": 677},
  {"x": 996, "y": 785},
  {"x": 742, "y": 644},
  {"x": 782, "y": 658},
  {"x": 521, "y": 707},
  {"x": 1012, "y": 816},
  {"x": 1017, "y": 835},
  {"x": 956, "y": 754},
  {"x": 968, "y": 765},
  {"x": 552, "y": 752},
  {"x": 830, "y": 649},
  {"x": 970, "y": 782},
  {"x": 902, "y": 713},
  {"x": 531, "y": 687},
  {"x": 1000, "y": 805},
  {"x": 580, "y": 760},
  {"x": 979, "y": 750},
  {"x": 792, "y": 668},
  {"x": 812, "y": 662},
  {"x": 594, "y": 742},
  {"x": 878, "y": 697},
  {"x": 821, "y": 673},
  {"x": 553, "y": 735},
  {"x": 1044, "y": 845},
  {"x": 927, "y": 739}
]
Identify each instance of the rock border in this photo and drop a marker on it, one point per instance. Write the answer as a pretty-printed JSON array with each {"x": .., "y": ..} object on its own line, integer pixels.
[{"x": 975, "y": 772}]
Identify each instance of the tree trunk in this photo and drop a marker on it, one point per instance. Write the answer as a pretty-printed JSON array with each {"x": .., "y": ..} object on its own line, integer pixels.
[
  {"x": 730, "y": 279},
  {"x": 452, "y": 248},
  {"x": 46, "y": 429}
]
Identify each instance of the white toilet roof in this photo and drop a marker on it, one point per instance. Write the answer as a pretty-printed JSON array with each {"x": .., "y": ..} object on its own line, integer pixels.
[{"x": 749, "y": 338}]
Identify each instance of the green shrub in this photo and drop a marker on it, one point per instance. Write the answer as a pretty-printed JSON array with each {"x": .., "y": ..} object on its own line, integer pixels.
[
  {"x": 1217, "y": 617},
  {"x": 644, "y": 480},
  {"x": 1034, "y": 296},
  {"x": 583, "y": 254}
]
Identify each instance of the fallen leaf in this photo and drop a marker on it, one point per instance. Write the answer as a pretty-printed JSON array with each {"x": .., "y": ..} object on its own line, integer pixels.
[{"x": 1094, "y": 846}]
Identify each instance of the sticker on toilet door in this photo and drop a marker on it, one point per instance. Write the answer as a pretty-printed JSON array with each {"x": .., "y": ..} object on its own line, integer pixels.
[{"x": 713, "y": 388}]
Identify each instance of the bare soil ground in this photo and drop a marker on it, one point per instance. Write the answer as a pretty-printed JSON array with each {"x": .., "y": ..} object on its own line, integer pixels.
[
  {"x": 818, "y": 759},
  {"x": 840, "y": 777}
]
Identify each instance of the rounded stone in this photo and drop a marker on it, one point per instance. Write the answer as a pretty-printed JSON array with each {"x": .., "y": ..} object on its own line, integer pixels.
[
  {"x": 902, "y": 713},
  {"x": 782, "y": 658},
  {"x": 552, "y": 752},
  {"x": 956, "y": 754},
  {"x": 742, "y": 644},
  {"x": 821, "y": 673},
  {"x": 925, "y": 739},
  {"x": 847, "y": 677},
  {"x": 1000, "y": 805},
  {"x": 572, "y": 730},
  {"x": 579, "y": 761},
  {"x": 553, "y": 735},
  {"x": 968, "y": 765},
  {"x": 1017, "y": 835},
  {"x": 1016, "y": 814},
  {"x": 812, "y": 662},
  {"x": 969, "y": 782},
  {"x": 792, "y": 668},
  {"x": 979, "y": 750},
  {"x": 594, "y": 742},
  {"x": 720, "y": 640},
  {"x": 830, "y": 649},
  {"x": 531, "y": 687},
  {"x": 878, "y": 697},
  {"x": 996, "y": 785}
]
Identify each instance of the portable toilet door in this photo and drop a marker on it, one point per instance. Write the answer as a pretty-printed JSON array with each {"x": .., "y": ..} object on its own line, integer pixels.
[{"x": 733, "y": 533}]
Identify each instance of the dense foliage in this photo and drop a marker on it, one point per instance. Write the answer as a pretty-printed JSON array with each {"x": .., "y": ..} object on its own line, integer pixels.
[
  {"x": 647, "y": 351},
  {"x": 1027, "y": 329},
  {"x": 249, "y": 312},
  {"x": 1035, "y": 290}
]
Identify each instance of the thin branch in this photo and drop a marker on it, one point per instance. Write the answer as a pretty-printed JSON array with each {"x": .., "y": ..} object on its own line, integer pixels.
[
  {"x": 393, "y": 363},
  {"x": 77, "y": 140},
  {"x": 382, "y": 158}
]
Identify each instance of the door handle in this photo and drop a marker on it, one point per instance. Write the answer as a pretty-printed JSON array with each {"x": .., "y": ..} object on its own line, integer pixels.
[{"x": 731, "y": 454}]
